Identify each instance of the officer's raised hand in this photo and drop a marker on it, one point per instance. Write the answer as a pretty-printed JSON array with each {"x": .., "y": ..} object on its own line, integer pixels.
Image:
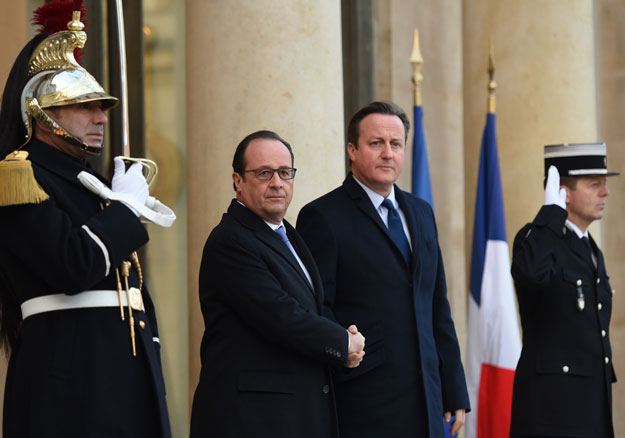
[{"x": 554, "y": 195}]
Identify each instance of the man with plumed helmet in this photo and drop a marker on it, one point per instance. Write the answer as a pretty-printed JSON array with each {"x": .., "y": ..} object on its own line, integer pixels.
[
  {"x": 76, "y": 318},
  {"x": 563, "y": 381}
]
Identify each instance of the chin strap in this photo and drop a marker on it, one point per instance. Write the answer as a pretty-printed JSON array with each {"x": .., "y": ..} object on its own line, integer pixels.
[
  {"x": 34, "y": 109},
  {"x": 153, "y": 211}
]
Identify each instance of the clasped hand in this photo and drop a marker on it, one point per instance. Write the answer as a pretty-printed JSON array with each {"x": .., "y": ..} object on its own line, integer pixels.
[{"x": 356, "y": 350}]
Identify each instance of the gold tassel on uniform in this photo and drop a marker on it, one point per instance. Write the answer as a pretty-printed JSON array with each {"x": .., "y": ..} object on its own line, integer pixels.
[{"x": 17, "y": 181}]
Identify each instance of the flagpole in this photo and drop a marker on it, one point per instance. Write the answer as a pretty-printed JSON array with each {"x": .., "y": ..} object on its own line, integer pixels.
[
  {"x": 149, "y": 166},
  {"x": 417, "y": 64},
  {"x": 492, "y": 85}
]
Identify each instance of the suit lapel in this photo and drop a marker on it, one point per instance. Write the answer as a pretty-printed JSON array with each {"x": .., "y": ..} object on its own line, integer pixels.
[
  {"x": 269, "y": 237},
  {"x": 358, "y": 195},
  {"x": 600, "y": 261},
  {"x": 309, "y": 263},
  {"x": 580, "y": 248}
]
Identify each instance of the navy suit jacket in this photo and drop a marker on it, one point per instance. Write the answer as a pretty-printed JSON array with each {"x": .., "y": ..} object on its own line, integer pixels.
[
  {"x": 266, "y": 349},
  {"x": 411, "y": 373}
]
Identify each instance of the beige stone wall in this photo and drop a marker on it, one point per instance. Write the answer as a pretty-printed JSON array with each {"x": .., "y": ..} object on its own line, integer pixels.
[
  {"x": 395, "y": 22},
  {"x": 544, "y": 54},
  {"x": 266, "y": 64},
  {"x": 14, "y": 25}
]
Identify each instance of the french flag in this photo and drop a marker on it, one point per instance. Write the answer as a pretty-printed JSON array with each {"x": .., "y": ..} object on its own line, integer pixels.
[
  {"x": 421, "y": 185},
  {"x": 494, "y": 343}
]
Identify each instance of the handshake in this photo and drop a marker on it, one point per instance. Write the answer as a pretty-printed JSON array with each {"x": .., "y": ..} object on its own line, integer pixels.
[{"x": 356, "y": 347}]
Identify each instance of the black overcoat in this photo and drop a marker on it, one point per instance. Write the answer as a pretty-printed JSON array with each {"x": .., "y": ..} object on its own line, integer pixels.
[
  {"x": 72, "y": 372},
  {"x": 266, "y": 349},
  {"x": 411, "y": 373},
  {"x": 563, "y": 381}
]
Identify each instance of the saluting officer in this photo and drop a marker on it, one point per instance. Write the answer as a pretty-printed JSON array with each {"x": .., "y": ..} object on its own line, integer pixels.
[
  {"x": 563, "y": 381},
  {"x": 68, "y": 270}
]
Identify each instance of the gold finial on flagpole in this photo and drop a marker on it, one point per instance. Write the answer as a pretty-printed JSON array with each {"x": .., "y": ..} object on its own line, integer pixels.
[
  {"x": 492, "y": 85},
  {"x": 417, "y": 63}
]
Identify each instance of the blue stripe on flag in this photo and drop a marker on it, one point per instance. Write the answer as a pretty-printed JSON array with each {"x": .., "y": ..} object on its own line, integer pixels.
[
  {"x": 421, "y": 186},
  {"x": 489, "y": 213}
]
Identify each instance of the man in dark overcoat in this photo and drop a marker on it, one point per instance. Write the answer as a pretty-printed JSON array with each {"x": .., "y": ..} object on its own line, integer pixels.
[
  {"x": 377, "y": 250},
  {"x": 563, "y": 381},
  {"x": 266, "y": 350},
  {"x": 68, "y": 267}
]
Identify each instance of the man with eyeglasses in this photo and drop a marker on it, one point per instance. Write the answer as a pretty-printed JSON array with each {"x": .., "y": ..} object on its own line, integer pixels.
[{"x": 266, "y": 351}]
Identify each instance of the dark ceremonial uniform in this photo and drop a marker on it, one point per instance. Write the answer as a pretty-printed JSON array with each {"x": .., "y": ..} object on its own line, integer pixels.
[
  {"x": 563, "y": 381},
  {"x": 72, "y": 372}
]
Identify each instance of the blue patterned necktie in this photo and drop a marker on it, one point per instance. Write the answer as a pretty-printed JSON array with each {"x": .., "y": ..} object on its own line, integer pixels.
[
  {"x": 282, "y": 233},
  {"x": 396, "y": 230}
]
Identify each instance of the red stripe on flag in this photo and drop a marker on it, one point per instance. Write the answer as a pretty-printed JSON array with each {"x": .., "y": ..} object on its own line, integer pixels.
[{"x": 494, "y": 402}]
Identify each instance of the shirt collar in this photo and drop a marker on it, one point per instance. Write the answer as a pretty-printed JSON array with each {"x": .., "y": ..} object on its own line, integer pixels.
[
  {"x": 274, "y": 227},
  {"x": 376, "y": 198},
  {"x": 571, "y": 226}
]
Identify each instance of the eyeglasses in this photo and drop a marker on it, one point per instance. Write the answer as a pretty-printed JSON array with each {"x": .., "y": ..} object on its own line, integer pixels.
[{"x": 266, "y": 173}]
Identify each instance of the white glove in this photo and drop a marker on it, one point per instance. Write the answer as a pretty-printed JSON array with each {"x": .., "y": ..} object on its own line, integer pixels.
[
  {"x": 130, "y": 182},
  {"x": 554, "y": 195},
  {"x": 153, "y": 211}
]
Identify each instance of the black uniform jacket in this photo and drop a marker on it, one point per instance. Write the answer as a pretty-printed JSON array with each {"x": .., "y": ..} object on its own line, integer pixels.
[
  {"x": 563, "y": 381},
  {"x": 266, "y": 349},
  {"x": 72, "y": 372},
  {"x": 411, "y": 373}
]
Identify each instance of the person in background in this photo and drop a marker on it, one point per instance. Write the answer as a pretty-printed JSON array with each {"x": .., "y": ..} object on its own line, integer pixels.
[{"x": 563, "y": 381}]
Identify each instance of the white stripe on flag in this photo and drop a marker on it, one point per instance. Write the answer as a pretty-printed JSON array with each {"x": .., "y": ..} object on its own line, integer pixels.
[
  {"x": 493, "y": 331},
  {"x": 499, "y": 329}
]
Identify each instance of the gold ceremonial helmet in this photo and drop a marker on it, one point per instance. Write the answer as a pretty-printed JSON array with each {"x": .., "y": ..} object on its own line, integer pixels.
[{"x": 59, "y": 80}]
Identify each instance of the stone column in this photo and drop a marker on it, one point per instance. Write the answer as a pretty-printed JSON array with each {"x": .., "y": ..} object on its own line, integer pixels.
[
  {"x": 441, "y": 91},
  {"x": 611, "y": 83},
  {"x": 266, "y": 64}
]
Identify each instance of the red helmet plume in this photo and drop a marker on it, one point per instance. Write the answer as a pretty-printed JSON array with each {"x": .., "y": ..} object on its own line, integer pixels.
[{"x": 53, "y": 17}]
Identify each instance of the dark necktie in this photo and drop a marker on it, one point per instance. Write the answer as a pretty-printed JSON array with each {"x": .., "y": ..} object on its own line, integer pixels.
[
  {"x": 396, "y": 230},
  {"x": 591, "y": 253}
]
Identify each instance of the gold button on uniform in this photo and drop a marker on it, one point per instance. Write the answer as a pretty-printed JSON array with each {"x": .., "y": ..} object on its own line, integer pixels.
[
  {"x": 579, "y": 282},
  {"x": 607, "y": 360},
  {"x": 598, "y": 280},
  {"x": 141, "y": 324},
  {"x": 603, "y": 333},
  {"x": 565, "y": 369},
  {"x": 599, "y": 306}
]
